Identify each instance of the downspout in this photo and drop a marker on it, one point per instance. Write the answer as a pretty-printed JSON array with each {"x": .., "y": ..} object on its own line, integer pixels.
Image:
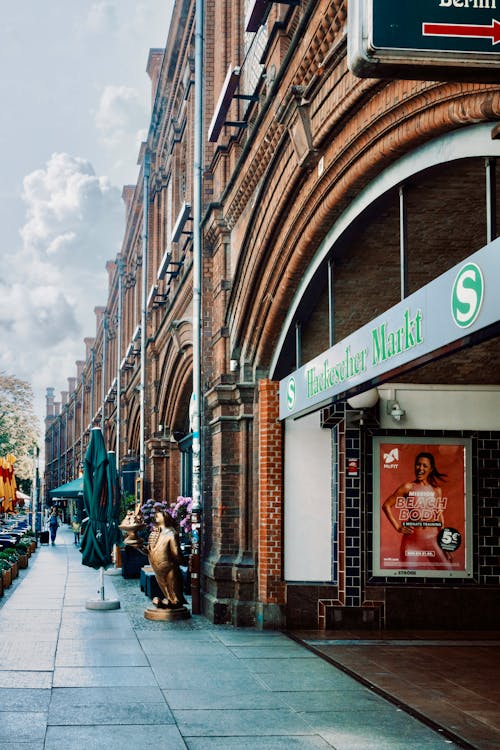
[
  {"x": 144, "y": 303},
  {"x": 118, "y": 362},
  {"x": 104, "y": 370},
  {"x": 82, "y": 416},
  {"x": 197, "y": 278},
  {"x": 92, "y": 387}
]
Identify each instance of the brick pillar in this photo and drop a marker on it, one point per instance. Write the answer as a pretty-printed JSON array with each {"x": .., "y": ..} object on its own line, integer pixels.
[
  {"x": 156, "y": 470},
  {"x": 271, "y": 587}
]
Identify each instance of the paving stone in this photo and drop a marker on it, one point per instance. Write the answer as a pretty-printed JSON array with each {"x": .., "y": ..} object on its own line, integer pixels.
[
  {"x": 114, "y": 737},
  {"x": 109, "y": 680},
  {"x": 19, "y": 699}
]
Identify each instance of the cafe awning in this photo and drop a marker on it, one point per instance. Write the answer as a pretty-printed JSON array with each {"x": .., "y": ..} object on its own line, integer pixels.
[{"x": 70, "y": 489}]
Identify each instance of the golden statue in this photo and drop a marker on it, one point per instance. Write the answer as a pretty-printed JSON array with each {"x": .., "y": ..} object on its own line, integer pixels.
[{"x": 165, "y": 557}]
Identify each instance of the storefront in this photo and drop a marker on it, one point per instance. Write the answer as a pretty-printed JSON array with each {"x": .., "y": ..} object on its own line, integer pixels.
[{"x": 368, "y": 541}]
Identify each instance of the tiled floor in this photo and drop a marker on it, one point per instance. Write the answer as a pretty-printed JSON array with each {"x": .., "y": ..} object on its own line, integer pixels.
[{"x": 451, "y": 679}]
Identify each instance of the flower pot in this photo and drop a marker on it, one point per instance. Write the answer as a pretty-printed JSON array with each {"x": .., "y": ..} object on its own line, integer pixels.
[
  {"x": 14, "y": 569},
  {"x": 23, "y": 561},
  {"x": 6, "y": 578}
]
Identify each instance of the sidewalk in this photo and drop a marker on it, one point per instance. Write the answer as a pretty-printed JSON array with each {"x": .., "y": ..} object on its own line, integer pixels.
[{"x": 73, "y": 678}]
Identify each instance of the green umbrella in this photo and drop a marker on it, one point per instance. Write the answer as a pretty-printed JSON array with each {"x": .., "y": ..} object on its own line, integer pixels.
[
  {"x": 99, "y": 531},
  {"x": 114, "y": 496}
]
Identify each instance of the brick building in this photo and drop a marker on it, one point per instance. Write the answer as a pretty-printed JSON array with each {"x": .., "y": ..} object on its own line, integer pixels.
[{"x": 332, "y": 205}]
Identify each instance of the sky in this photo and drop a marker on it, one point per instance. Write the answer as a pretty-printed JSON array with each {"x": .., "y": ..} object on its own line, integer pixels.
[{"x": 76, "y": 102}]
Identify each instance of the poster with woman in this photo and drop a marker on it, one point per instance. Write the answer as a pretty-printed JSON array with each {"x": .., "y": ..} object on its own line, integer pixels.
[{"x": 421, "y": 508}]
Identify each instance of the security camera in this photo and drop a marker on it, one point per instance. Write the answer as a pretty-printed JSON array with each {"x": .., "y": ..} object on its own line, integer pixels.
[{"x": 397, "y": 412}]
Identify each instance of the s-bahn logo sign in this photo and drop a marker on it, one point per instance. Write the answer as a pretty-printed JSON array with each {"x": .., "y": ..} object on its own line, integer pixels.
[
  {"x": 426, "y": 39},
  {"x": 467, "y": 295},
  {"x": 457, "y": 309}
]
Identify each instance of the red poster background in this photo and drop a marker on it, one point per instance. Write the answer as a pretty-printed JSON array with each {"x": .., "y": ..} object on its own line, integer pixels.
[{"x": 397, "y": 466}]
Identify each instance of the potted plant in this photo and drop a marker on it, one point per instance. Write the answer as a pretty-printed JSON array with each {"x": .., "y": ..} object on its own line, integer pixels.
[
  {"x": 30, "y": 539},
  {"x": 12, "y": 556},
  {"x": 22, "y": 550},
  {"x": 5, "y": 573},
  {"x": 5, "y": 567},
  {"x": 149, "y": 509},
  {"x": 181, "y": 511}
]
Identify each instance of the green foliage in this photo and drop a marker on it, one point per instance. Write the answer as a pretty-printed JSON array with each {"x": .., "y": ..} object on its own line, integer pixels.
[
  {"x": 127, "y": 503},
  {"x": 10, "y": 554},
  {"x": 19, "y": 428}
]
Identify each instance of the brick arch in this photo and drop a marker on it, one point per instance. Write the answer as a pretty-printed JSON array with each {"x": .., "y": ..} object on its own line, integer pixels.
[
  {"x": 363, "y": 149},
  {"x": 176, "y": 376},
  {"x": 134, "y": 428}
]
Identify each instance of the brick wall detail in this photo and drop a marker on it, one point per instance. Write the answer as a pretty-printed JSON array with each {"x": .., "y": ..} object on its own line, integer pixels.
[{"x": 271, "y": 588}]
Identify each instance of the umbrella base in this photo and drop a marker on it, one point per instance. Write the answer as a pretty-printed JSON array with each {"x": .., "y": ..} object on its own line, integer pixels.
[
  {"x": 168, "y": 615},
  {"x": 102, "y": 604}
]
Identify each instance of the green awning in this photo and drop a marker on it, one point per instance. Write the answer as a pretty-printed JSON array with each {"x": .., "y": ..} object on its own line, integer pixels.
[{"x": 70, "y": 489}]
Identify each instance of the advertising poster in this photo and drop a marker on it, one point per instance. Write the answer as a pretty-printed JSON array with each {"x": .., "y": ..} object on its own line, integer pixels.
[{"x": 421, "y": 507}]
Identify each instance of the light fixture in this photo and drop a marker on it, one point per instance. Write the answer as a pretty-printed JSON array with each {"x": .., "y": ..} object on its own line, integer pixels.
[
  {"x": 364, "y": 400},
  {"x": 396, "y": 411},
  {"x": 294, "y": 114}
]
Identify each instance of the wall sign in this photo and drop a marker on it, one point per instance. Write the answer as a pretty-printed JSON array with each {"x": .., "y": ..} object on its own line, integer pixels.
[
  {"x": 422, "y": 521},
  {"x": 427, "y": 40},
  {"x": 442, "y": 316}
]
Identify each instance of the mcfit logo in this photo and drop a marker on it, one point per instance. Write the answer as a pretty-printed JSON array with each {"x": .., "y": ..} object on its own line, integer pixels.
[{"x": 467, "y": 295}]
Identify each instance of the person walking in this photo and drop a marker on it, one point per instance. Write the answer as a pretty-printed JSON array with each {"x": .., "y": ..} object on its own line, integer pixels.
[
  {"x": 53, "y": 525},
  {"x": 76, "y": 526}
]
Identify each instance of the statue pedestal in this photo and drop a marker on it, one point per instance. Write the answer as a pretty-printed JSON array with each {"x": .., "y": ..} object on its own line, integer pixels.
[{"x": 167, "y": 615}]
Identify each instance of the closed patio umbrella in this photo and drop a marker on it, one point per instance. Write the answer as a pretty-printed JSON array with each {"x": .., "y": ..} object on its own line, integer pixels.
[{"x": 99, "y": 529}]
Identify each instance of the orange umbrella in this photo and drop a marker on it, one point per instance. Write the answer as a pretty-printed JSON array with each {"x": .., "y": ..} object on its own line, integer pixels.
[
  {"x": 9, "y": 483},
  {"x": 2, "y": 483}
]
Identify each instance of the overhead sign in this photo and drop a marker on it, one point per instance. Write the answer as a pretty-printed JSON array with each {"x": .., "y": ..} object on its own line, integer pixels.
[
  {"x": 442, "y": 316},
  {"x": 428, "y": 39}
]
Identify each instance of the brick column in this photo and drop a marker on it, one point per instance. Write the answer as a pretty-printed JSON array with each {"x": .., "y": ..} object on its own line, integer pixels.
[{"x": 271, "y": 587}]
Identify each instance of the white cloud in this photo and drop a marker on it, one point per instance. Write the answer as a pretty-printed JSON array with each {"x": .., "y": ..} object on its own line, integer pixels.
[
  {"x": 120, "y": 120},
  {"x": 120, "y": 114},
  {"x": 50, "y": 286},
  {"x": 101, "y": 18}
]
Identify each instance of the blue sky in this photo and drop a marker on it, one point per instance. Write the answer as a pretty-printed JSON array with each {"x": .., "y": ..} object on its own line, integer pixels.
[{"x": 75, "y": 106}]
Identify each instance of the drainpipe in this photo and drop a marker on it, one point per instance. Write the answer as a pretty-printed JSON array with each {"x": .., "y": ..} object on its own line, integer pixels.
[
  {"x": 118, "y": 361},
  {"x": 144, "y": 303},
  {"x": 104, "y": 370},
  {"x": 82, "y": 415},
  {"x": 92, "y": 386},
  {"x": 197, "y": 278}
]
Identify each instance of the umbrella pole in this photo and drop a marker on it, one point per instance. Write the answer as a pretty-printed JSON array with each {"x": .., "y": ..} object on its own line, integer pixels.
[{"x": 101, "y": 583}]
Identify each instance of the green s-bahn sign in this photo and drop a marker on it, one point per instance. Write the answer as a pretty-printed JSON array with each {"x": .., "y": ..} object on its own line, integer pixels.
[{"x": 426, "y": 39}]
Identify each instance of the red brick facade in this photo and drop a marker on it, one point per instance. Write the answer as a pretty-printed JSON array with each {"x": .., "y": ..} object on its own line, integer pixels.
[
  {"x": 271, "y": 589},
  {"x": 275, "y": 223}
]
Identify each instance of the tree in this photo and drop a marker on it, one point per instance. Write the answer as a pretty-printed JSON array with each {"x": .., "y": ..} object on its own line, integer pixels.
[{"x": 19, "y": 428}]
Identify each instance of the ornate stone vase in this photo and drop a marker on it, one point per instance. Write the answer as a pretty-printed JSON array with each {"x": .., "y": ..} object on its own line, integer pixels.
[{"x": 130, "y": 526}]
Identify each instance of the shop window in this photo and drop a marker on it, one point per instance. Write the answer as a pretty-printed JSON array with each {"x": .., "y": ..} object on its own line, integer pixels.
[{"x": 186, "y": 449}]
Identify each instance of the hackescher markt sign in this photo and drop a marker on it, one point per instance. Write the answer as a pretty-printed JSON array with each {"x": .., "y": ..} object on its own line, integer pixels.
[
  {"x": 425, "y": 39},
  {"x": 457, "y": 309}
]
